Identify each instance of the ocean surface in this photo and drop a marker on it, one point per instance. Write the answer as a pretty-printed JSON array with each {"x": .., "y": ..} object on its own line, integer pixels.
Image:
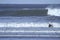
[
  {"x": 8, "y": 23},
  {"x": 29, "y": 38}
]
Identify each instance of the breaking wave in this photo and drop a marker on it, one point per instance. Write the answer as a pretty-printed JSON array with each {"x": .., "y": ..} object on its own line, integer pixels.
[
  {"x": 28, "y": 24},
  {"x": 54, "y": 11}
]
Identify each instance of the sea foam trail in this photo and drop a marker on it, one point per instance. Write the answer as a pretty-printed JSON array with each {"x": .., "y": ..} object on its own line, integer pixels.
[{"x": 28, "y": 24}]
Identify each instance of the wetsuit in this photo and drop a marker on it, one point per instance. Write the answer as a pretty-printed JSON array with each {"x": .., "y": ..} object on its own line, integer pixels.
[{"x": 50, "y": 25}]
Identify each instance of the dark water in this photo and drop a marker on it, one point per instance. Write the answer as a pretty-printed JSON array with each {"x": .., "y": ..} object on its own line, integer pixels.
[
  {"x": 15, "y": 9},
  {"x": 28, "y": 5}
]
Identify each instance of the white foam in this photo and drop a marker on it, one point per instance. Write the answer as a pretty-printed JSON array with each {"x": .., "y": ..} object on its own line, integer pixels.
[
  {"x": 28, "y": 24},
  {"x": 53, "y": 11},
  {"x": 23, "y": 24}
]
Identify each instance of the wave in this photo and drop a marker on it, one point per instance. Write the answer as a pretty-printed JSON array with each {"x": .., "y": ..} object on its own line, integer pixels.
[
  {"x": 53, "y": 10},
  {"x": 28, "y": 24}
]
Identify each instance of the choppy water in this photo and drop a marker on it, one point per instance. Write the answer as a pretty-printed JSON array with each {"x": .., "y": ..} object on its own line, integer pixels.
[
  {"x": 29, "y": 38},
  {"x": 39, "y": 21},
  {"x": 43, "y": 20}
]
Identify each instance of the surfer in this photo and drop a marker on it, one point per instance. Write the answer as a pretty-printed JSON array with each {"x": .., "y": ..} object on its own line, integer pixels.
[{"x": 50, "y": 25}]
